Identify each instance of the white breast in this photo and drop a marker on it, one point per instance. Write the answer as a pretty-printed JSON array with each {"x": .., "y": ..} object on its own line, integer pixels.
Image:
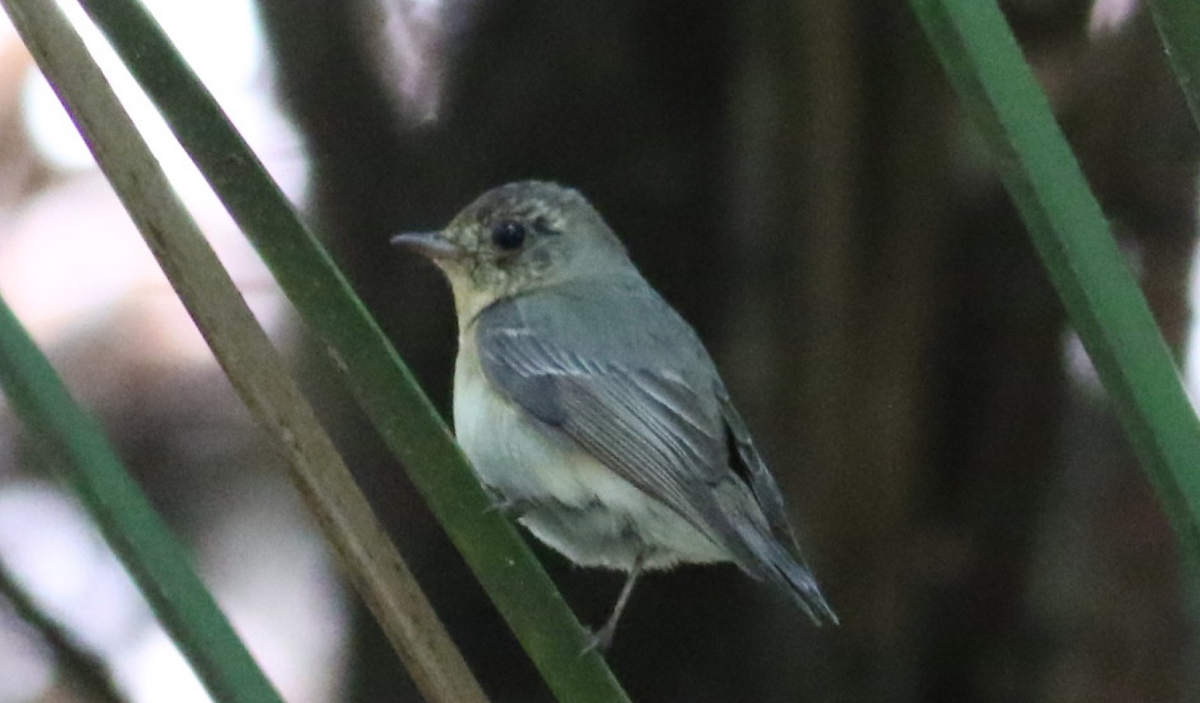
[{"x": 509, "y": 455}]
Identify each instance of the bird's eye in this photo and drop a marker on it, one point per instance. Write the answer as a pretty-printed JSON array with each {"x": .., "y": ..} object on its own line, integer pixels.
[{"x": 508, "y": 235}]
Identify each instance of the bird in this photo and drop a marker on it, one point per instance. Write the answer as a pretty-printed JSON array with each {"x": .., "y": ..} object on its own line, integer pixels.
[{"x": 591, "y": 411}]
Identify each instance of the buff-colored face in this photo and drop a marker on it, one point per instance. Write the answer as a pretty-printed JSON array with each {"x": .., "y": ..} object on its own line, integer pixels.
[{"x": 516, "y": 238}]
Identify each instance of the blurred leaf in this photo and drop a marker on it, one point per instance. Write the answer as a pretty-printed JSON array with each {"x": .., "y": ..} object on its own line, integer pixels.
[
  {"x": 1178, "y": 23},
  {"x": 136, "y": 534},
  {"x": 1072, "y": 237},
  {"x": 254, "y": 367}
]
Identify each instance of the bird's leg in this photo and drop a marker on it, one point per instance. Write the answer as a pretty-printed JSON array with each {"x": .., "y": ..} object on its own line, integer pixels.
[{"x": 601, "y": 639}]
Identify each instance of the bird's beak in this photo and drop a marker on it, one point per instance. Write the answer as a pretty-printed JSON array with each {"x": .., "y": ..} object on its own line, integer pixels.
[{"x": 431, "y": 244}]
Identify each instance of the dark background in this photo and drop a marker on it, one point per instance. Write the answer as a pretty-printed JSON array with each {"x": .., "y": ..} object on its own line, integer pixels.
[{"x": 797, "y": 179}]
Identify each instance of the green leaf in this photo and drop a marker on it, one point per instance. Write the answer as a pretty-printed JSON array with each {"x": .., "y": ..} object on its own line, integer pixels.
[
  {"x": 1072, "y": 237},
  {"x": 136, "y": 534},
  {"x": 254, "y": 367},
  {"x": 1178, "y": 23}
]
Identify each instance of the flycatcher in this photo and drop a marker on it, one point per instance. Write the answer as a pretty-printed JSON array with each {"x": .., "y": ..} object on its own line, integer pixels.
[{"x": 591, "y": 410}]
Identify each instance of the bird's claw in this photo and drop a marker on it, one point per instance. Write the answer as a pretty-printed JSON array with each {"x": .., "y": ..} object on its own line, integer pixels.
[
  {"x": 508, "y": 507},
  {"x": 599, "y": 641}
]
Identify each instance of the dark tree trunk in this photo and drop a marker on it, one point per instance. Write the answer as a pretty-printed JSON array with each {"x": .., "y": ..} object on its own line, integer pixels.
[{"x": 795, "y": 178}]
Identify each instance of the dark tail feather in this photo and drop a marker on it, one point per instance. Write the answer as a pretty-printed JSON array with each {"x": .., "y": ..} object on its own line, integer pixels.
[
  {"x": 799, "y": 582},
  {"x": 779, "y": 566},
  {"x": 764, "y": 557}
]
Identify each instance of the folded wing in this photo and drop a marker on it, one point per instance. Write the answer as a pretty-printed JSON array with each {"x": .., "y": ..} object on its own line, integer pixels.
[{"x": 659, "y": 418}]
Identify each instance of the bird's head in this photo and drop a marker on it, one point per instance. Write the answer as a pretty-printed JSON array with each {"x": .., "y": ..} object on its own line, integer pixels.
[{"x": 518, "y": 238}]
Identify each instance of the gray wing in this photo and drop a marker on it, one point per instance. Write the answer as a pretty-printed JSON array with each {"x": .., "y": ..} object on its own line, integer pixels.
[
  {"x": 644, "y": 423},
  {"x": 647, "y": 402}
]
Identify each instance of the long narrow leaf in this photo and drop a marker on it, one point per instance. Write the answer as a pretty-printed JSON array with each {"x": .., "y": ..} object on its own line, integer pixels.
[
  {"x": 1072, "y": 237},
  {"x": 1178, "y": 23},
  {"x": 136, "y": 534},
  {"x": 382, "y": 384},
  {"x": 253, "y": 365}
]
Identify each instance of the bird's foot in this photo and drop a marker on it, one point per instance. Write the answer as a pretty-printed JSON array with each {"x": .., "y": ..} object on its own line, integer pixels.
[
  {"x": 600, "y": 640},
  {"x": 512, "y": 508}
]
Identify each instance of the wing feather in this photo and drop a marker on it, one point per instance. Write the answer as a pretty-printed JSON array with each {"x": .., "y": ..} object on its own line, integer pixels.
[
  {"x": 648, "y": 404},
  {"x": 645, "y": 424}
]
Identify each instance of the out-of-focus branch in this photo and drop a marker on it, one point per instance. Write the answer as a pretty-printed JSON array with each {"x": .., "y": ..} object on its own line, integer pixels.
[{"x": 82, "y": 668}]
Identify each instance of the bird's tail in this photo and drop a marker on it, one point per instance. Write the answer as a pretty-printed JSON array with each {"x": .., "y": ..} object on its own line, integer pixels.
[
  {"x": 764, "y": 554},
  {"x": 791, "y": 574}
]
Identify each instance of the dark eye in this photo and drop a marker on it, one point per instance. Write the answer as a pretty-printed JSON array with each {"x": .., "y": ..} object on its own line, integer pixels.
[{"x": 508, "y": 235}]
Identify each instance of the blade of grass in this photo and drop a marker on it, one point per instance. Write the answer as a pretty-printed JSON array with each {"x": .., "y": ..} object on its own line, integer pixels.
[
  {"x": 383, "y": 386},
  {"x": 131, "y": 527},
  {"x": 251, "y": 362},
  {"x": 1178, "y": 23},
  {"x": 1072, "y": 237}
]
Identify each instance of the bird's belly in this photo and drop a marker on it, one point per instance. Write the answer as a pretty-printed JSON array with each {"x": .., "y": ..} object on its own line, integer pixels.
[{"x": 564, "y": 496}]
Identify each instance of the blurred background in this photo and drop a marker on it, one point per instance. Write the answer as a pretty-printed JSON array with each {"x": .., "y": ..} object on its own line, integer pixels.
[{"x": 796, "y": 178}]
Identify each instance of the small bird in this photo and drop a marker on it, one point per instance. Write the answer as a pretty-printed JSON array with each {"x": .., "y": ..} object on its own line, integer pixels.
[{"x": 589, "y": 408}]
